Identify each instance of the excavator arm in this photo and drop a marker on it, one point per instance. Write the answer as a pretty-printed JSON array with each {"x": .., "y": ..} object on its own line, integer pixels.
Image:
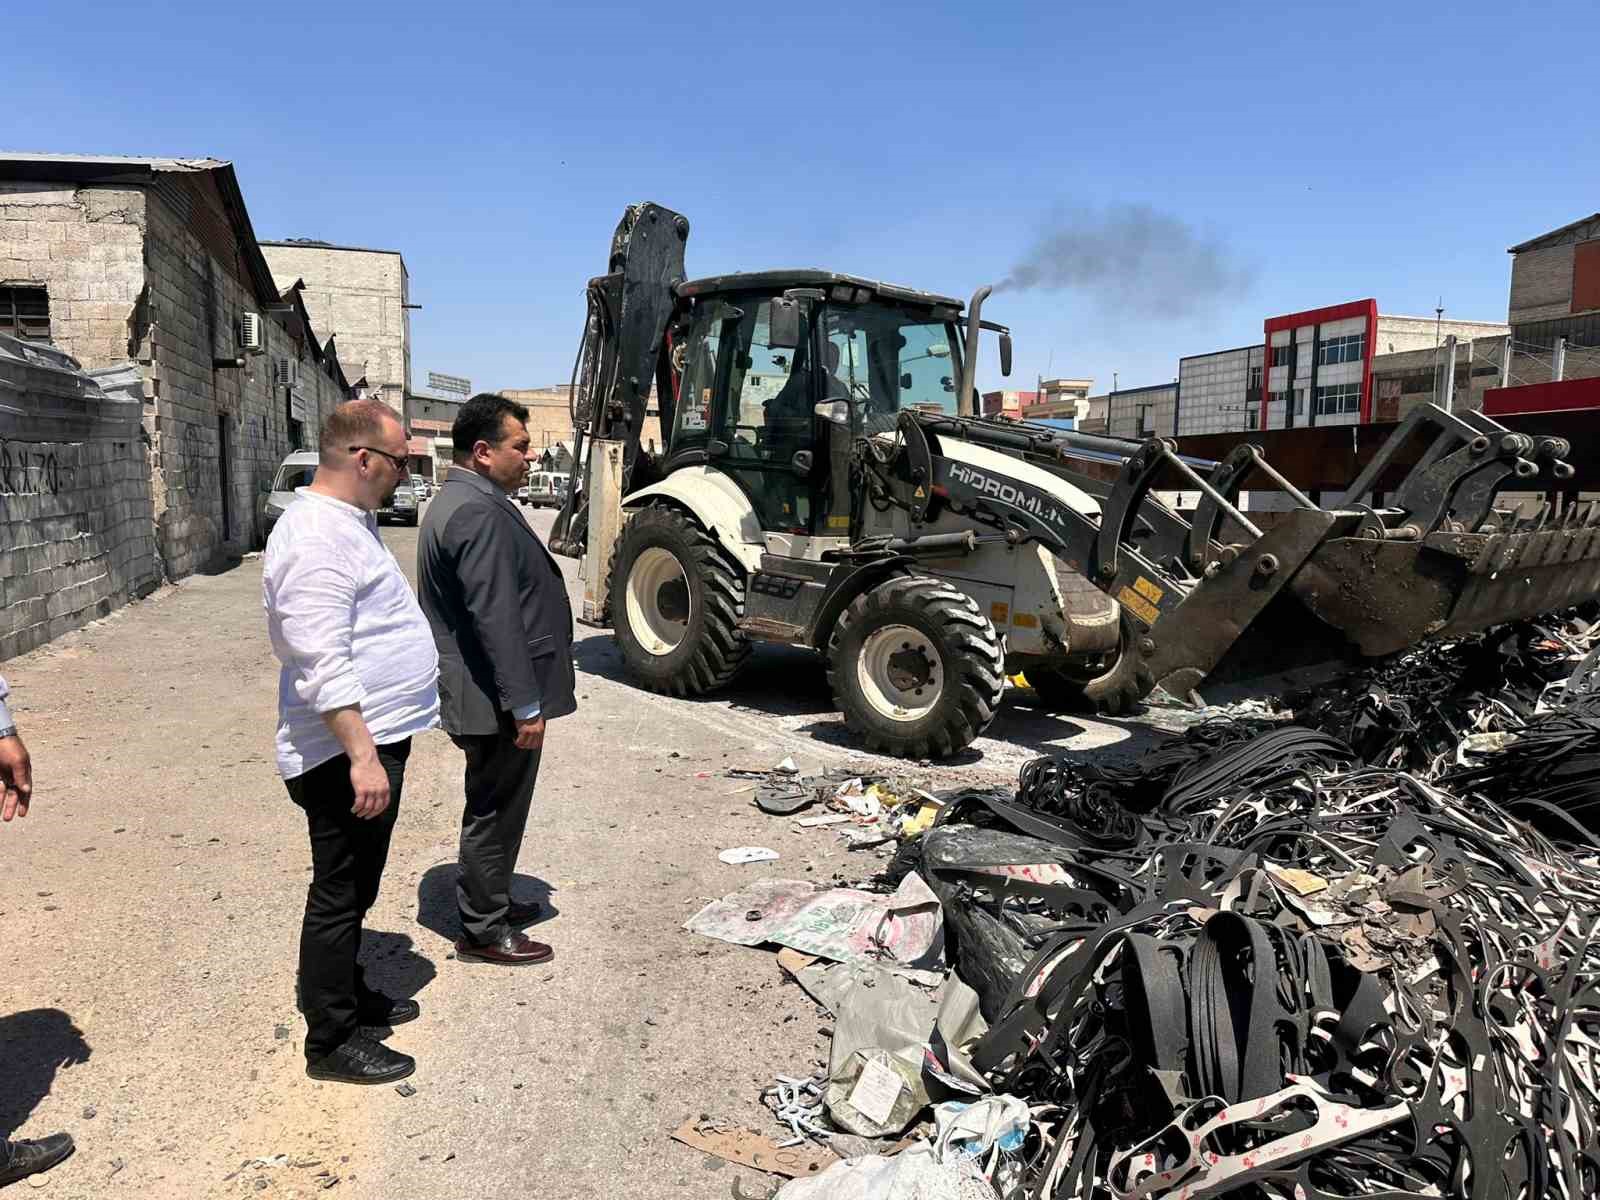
[{"x": 623, "y": 353}]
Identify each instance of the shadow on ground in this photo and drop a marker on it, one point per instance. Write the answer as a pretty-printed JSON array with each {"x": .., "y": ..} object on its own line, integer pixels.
[
  {"x": 436, "y": 899},
  {"x": 34, "y": 1045},
  {"x": 392, "y": 964},
  {"x": 777, "y": 681}
]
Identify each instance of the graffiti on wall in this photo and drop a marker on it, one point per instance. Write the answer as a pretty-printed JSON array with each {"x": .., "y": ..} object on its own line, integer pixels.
[
  {"x": 197, "y": 460},
  {"x": 25, "y": 471}
]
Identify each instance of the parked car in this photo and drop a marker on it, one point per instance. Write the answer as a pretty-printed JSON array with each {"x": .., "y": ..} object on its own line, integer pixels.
[
  {"x": 546, "y": 488},
  {"x": 296, "y": 471},
  {"x": 422, "y": 486},
  {"x": 403, "y": 506}
]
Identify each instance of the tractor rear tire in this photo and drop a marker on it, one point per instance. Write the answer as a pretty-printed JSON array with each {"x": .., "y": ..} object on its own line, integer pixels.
[
  {"x": 916, "y": 668},
  {"x": 676, "y": 599},
  {"x": 1115, "y": 691}
]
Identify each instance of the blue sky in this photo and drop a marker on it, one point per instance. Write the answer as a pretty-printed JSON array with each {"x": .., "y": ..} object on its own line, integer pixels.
[{"x": 1314, "y": 154}]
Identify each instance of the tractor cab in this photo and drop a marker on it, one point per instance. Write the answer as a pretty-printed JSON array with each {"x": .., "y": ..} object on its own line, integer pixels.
[{"x": 775, "y": 373}]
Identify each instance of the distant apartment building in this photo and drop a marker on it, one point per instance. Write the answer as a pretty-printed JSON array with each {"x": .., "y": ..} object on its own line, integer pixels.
[
  {"x": 1320, "y": 362},
  {"x": 1008, "y": 403},
  {"x": 550, "y": 417},
  {"x": 1221, "y": 391},
  {"x": 360, "y": 296},
  {"x": 1142, "y": 412},
  {"x": 1060, "y": 400}
]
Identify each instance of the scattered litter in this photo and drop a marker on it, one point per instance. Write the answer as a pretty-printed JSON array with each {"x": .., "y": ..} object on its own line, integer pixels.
[
  {"x": 818, "y": 822},
  {"x": 842, "y": 923},
  {"x": 912, "y": 1175},
  {"x": 405, "y": 1089},
  {"x": 742, "y": 1146},
  {"x": 748, "y": 854}
]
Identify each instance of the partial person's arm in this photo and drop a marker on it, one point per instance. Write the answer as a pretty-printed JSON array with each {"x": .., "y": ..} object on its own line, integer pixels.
[
  {"x": 313, "y": 613},
  {"x": 486, "y": 569},
  {"x": 16, "y": 769}
]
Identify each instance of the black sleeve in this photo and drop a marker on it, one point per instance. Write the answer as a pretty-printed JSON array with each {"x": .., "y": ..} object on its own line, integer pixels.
[{"x": 485, "y": 559}]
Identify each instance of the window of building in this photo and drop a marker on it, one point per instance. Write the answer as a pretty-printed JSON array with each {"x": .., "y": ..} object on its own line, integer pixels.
[
  {"x": 1352, "y": 347},
  {"x": 1255, "y": 379},
  {"x": 1284, "y": 398},
  {"x": 25, "y": 313},
  {"x": 1338, "y": 398},
  {"x": 1282, "y": 355},
  {"x": 1252, "y": 418}
]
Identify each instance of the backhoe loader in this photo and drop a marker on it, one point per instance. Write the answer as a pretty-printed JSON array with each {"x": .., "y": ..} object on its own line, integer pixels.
[{"x": 824, "y": 482}]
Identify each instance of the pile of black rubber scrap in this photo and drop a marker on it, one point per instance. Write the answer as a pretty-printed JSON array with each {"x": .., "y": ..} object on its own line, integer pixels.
[{"x": 1251, "y": 964}]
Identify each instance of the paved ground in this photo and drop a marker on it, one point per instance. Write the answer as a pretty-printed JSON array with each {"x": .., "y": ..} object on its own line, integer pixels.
[{"x": 149, "y": 917}]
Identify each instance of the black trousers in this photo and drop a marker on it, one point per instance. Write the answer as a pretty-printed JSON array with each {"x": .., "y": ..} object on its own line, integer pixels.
[
  {"x": 348, "y": 854},
  {"x": 499, "y": 786}
]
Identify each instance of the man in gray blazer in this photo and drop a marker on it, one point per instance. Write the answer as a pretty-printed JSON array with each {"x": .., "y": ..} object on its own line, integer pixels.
[{"x": 503, "y": 625}]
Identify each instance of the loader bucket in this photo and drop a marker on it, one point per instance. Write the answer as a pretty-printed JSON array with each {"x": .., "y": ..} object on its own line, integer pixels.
[
  {"x": 1442, "y": 561},
  {"x": 1387, "y": 595}
]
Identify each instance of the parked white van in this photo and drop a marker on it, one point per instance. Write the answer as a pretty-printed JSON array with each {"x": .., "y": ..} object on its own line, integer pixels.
[{"x": 296, "y": 471}]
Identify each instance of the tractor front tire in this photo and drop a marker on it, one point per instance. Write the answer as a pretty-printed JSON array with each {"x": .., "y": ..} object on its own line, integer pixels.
[
  {"x": 1115, "y": 691},
  {"x": 916, "y": 668},
  {"x": 676, "y": 599}
]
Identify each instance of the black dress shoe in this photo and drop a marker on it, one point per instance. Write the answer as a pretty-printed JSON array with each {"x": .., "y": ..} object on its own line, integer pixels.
[
  {"x": 362, "y": 1060},
  {"x": 516, "y": 949},
  {"x": 520, "y": 916},
  {"x": 31, "y": 1157},
  {"x": 379, "y": 1011}
]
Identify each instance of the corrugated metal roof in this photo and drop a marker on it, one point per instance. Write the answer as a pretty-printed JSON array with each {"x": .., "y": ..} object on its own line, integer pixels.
[{"x": 1534, "y": 243}]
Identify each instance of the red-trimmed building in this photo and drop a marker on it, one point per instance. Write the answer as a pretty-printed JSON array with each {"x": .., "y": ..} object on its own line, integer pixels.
[{"x": 1319, "y": 363}]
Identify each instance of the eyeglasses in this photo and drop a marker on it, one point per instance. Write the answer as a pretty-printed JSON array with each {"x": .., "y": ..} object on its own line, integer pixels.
[{"x": 400, "y": 463}]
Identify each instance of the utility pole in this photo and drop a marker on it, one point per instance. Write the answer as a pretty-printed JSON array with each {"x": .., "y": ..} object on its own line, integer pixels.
[
  {"x": 1560, "y": 371},
  {"x": 1505, "y": 363},
  {"x": 1447, "y": 385}
]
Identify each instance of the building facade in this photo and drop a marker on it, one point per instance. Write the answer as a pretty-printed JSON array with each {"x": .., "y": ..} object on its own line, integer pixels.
[
  {"x": 1554, "y": 306},
  {"x": 1221, "y": 391},
  {"x": 550, "y": 417},
  {"x": 1008, "y": 403},
  {"x": 1142, "y": 412},
  {"x": 154, "y": 262},
  {"x": 1060, "y": 399},
  {"x": 1320, "y": 362},
  {"x": 362, "y": 298}
]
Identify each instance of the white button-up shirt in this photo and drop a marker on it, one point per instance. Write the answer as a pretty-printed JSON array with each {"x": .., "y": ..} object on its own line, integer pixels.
[
  {"x": 5, "y": 713},
  {"x": 348, "y": 630}
]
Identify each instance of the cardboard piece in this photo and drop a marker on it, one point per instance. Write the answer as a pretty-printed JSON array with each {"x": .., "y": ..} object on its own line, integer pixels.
[{"x": 752, "y": 1150}]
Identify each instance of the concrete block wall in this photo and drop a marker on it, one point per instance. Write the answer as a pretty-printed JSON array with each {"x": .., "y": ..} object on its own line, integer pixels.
[
  {"x": 195, "y": 306},
  {"x": 76, "y": 537},
  {"x": 85, "y": 246}
]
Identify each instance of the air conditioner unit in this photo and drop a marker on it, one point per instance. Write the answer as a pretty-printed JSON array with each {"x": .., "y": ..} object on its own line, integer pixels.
[
  {"x": 286, "y": 372},
  {"x": 252, "y": 333}
]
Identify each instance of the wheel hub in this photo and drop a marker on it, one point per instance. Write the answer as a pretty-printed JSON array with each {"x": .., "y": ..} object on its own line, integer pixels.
[
  {"x": 657, "y": 600},
  {"x": 900, "y": 672}
]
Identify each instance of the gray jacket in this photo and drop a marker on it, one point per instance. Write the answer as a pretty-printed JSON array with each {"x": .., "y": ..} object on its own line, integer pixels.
[{"x": 498, "y": 608}]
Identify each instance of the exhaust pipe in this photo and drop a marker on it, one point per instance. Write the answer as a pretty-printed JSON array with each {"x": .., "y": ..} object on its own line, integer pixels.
[{"x": 967, "y": 405}]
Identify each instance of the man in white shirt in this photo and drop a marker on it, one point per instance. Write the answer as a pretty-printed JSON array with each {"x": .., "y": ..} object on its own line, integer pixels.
[
  {"x": 359, "y": 678},
  {"x": 25, "y": 1156}
]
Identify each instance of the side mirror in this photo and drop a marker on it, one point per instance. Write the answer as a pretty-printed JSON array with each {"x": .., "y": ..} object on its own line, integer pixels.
[
  {"x": 1005, "y": 354},
  {"x": 905, "y": 382},
  {"x": 835, "y": 411},
  {"x": 266, "y": 487},
  {"x": 784, "y": 320}
]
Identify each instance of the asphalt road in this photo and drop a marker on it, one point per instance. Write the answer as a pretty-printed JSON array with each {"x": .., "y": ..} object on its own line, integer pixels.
[{"x": 152, "y": 898}]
